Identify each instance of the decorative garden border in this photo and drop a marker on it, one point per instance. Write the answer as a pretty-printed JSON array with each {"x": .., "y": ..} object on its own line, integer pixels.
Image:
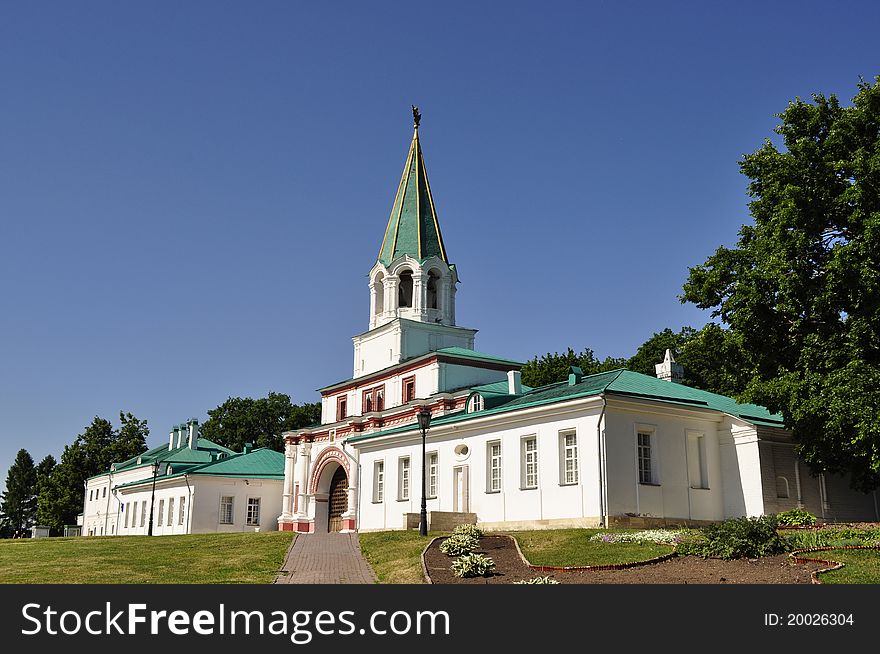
[
  {"x": 422, "y": 560},
  {"x": 833, "y": 565}
]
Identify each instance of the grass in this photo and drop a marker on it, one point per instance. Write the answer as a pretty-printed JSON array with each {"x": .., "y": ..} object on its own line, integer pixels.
[
  {"x": 239, "y": 558},
  {"x": 396, "y": 556},
  {"x": 564, "y": 547},
  {"x": 861, "y": 566}
]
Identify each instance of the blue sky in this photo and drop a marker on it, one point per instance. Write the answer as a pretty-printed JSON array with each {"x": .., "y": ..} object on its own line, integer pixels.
[{"x": 191, "y": 194}]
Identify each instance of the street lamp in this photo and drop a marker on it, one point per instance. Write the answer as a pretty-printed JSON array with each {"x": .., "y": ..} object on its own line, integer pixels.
[
  {"x": 153, "y": 495},
  {"x": 424, "y": 417}
]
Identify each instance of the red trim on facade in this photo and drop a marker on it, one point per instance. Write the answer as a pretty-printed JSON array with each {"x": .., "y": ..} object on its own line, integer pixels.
[
  {"x": 348, "y": 523},
  {"x": 286, "y": 526},
  {"x": 331, "y": 454}
]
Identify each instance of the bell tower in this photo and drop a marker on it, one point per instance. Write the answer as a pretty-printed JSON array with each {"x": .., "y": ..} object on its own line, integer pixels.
[{"x": 412, "y": 284}]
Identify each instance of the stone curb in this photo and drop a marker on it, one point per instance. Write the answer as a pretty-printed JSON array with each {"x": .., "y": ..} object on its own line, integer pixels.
[
  {"x": 422, "y": 559},
  {"x": 833, "y": 565},
  {"x": 578, "y": 568}
]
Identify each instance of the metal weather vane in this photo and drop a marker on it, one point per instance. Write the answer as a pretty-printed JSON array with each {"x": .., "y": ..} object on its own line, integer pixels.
[{"x": 417, "y": 117}]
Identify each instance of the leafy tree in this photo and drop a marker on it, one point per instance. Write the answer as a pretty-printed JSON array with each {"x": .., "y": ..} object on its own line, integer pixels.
[
  {"x": 801, "y": 289},
  {"x": 652, "y": 351},
  {"x": 241, "y": 420},
  {"x": 554, "y": 367},
  {"x": 18, "y": 503},
  {"x": 61, "y": 494},
  {"x": 714, "y": 360}
]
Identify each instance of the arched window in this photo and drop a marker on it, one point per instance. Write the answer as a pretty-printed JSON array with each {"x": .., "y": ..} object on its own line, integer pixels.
[
  {"x": 476, "y": 403},
  {"x": 433, "y": 284},
  {"x": 782, "y": 488},
  {"x": 379, "y": 290},
  {"x": 405, "y": 289}
]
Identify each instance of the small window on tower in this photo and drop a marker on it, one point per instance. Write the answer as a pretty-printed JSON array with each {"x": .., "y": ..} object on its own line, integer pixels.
[
  {"x": 405, "y": 289},
  {"x": 341, "y": 408},
  {"x": 380, "y": 399},
  {"x": 409, "y": 389},
  {"x": 433, "y": 279},
  {"x": 368, "y": 401}
]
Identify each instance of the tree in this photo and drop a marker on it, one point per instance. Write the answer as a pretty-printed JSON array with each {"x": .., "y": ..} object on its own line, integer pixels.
[
  {"x": 18, "y": 503},
  {"x": 801, "y": 289},
  {"x": 652, "y": 351},
  {"x": 554, "y": 367},
  {"x": 242, "y": 420},
  {"x": 61, "y": 494}
]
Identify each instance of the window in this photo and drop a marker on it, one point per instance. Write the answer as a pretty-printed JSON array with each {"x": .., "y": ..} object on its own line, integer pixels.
[
  {"x": 90, "y": 495},
  {"x": 226, "y": 503},
  {"x": 170, "y": 511},
  {"x": 368, "y": 401},
  {"x": 403, "y": 478},
  {"x": 134, "y": 510},
  {"x": 126, "y": 515},
  {"x": 409, "y": 389},
  {"x": 433, "y": 278},
  {"x": 568, "y": 450},
  {"x": 646, "y": 471},
  {"x": 696, "y": 459},
  {"x": 378, "y": 481},
  {"x": 782, "y": 488},
  {"x": 143, "y": 513},
  {"x": 341, "y": 408},
  {"x": 529, "y": 464},
  {"x": 405, "y": 289},
  {"x": 253, "y": 512},
  {"x": 380, "y": 398},
  {"x": 493, "y": 463},
  {"x": 161, "y": 513},
  {"x": 476, "y": 403},
  {"x": 104, "y": 494},
  {"x": 182, "y": 510},
  {"x": 432, "y": 474}
]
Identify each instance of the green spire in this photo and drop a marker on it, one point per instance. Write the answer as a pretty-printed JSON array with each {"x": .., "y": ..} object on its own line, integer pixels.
[{"x": 413, "y": 228}]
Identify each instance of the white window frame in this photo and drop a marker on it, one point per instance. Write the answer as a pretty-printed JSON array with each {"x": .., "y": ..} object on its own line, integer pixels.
[
  {"x": 250, "y": 519},
  {"x": 182, "y": 509},
  {"x": 170, "y": 511},
  {"x": 125, "y": 513},
  {"x": 493, "y": 463},
  {"x": 433, "y": 474},
  {"x": 529, "y": 457},
  {"x": 159, "y": 520},
  {"x": 476, "y": 403},
  {"x": 143, "y": 513},
  {"x": 379, "y": 481},
  {"x": 698, "y": 472},
  {"x": 568, "y": 476},
  {"x": 404, "y": 478},
  {"x": 231, "y": 504},
  {"x": 653, "y": 479}
]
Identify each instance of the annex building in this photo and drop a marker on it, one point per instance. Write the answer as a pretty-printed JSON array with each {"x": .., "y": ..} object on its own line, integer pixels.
[{"x": 618, "y": 447}]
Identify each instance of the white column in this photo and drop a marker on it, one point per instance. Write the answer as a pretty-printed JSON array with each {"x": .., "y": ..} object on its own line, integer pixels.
[
  {"x": 390, "y": 284},
  {"x": 303, "y": 479},
  {"x": 372, "y": 305},
  {"x": 289, "y": 471},
  {"x": 419, "y": 291}
]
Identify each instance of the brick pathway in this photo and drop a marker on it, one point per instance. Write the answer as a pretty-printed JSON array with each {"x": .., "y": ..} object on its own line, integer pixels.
[{"x": 325, "y": 559}]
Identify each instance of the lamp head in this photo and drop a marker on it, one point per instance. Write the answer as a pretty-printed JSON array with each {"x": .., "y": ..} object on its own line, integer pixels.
[{"x": 424, "y": 417}]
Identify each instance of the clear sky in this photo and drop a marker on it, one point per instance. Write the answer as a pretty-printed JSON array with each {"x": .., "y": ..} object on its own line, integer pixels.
[{"x": 192, "y": 193}]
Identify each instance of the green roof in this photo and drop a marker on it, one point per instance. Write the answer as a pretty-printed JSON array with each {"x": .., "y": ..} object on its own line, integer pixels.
[
  {"x": 614, "y": 382},
  {"x": 412, "y": 227},
  {"x": 497, "y": 388},
  {"x": 178, "y": 456},
  {"x": 261, "y": 464}
]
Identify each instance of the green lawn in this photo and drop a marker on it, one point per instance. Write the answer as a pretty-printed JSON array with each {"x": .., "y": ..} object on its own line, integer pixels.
[
  {"x": 860, "y": 566},
  {"x": 396, "y": 556},
  {"x": 563, "y": 547},
  {"x": 240, "y": 558}
]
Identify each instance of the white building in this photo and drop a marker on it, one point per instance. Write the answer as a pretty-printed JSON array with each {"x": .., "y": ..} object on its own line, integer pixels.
[
  {"x": 189, "y": 486},
  {"x": 617, "y": 447}
]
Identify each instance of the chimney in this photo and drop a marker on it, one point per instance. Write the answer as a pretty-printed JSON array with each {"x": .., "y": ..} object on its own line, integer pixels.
[
  {"x": 248, "y": 448},
  {"x": 171, "y": 440},
  {"x": 178, "y": 431},
  {"x": 193, "y": 433},
  {"x": 575, "y": 375},
  {"x": 669, "y": 370},
  {"x": 514, "y": 382}
]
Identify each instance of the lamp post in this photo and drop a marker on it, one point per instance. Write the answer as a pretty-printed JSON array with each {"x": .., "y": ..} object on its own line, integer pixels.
[
  {"x": 153, "y": 496},
  {"x": 424, "y": 417}
]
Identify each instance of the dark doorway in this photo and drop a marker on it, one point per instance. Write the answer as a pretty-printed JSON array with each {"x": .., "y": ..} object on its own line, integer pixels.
[{"x": 338, "y": 499}]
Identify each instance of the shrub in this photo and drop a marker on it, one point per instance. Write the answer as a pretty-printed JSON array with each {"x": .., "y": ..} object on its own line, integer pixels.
[
  {"x": 472, "y": 565},
  {"x": 471, "y": 531},
  {"x": 459, "y": 544},
  {"x": 832, "y": 537},
  {"x": 738, "y": 538},
  {"x": 538, "y": 580},
  {"x": 796, "y": 518}
]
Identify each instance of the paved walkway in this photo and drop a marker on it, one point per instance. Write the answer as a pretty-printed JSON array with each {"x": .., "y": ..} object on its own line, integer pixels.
[{"x": 325, "y": 559}]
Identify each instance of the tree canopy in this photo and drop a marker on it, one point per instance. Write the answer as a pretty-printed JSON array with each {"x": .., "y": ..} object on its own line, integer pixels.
[
  {"x": 801, "y": 289},
  {"x": 240, "y": 420},
  {"x": 61, "y": 495}
]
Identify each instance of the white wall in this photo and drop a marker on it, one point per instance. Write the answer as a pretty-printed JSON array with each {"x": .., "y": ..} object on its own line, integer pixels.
[
  {"x": 550, "y": 501},
  {"x": 206, "y": 503}
]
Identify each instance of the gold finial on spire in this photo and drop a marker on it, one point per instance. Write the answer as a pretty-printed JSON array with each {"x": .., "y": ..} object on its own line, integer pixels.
[{"x": 417, "y": 117}]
